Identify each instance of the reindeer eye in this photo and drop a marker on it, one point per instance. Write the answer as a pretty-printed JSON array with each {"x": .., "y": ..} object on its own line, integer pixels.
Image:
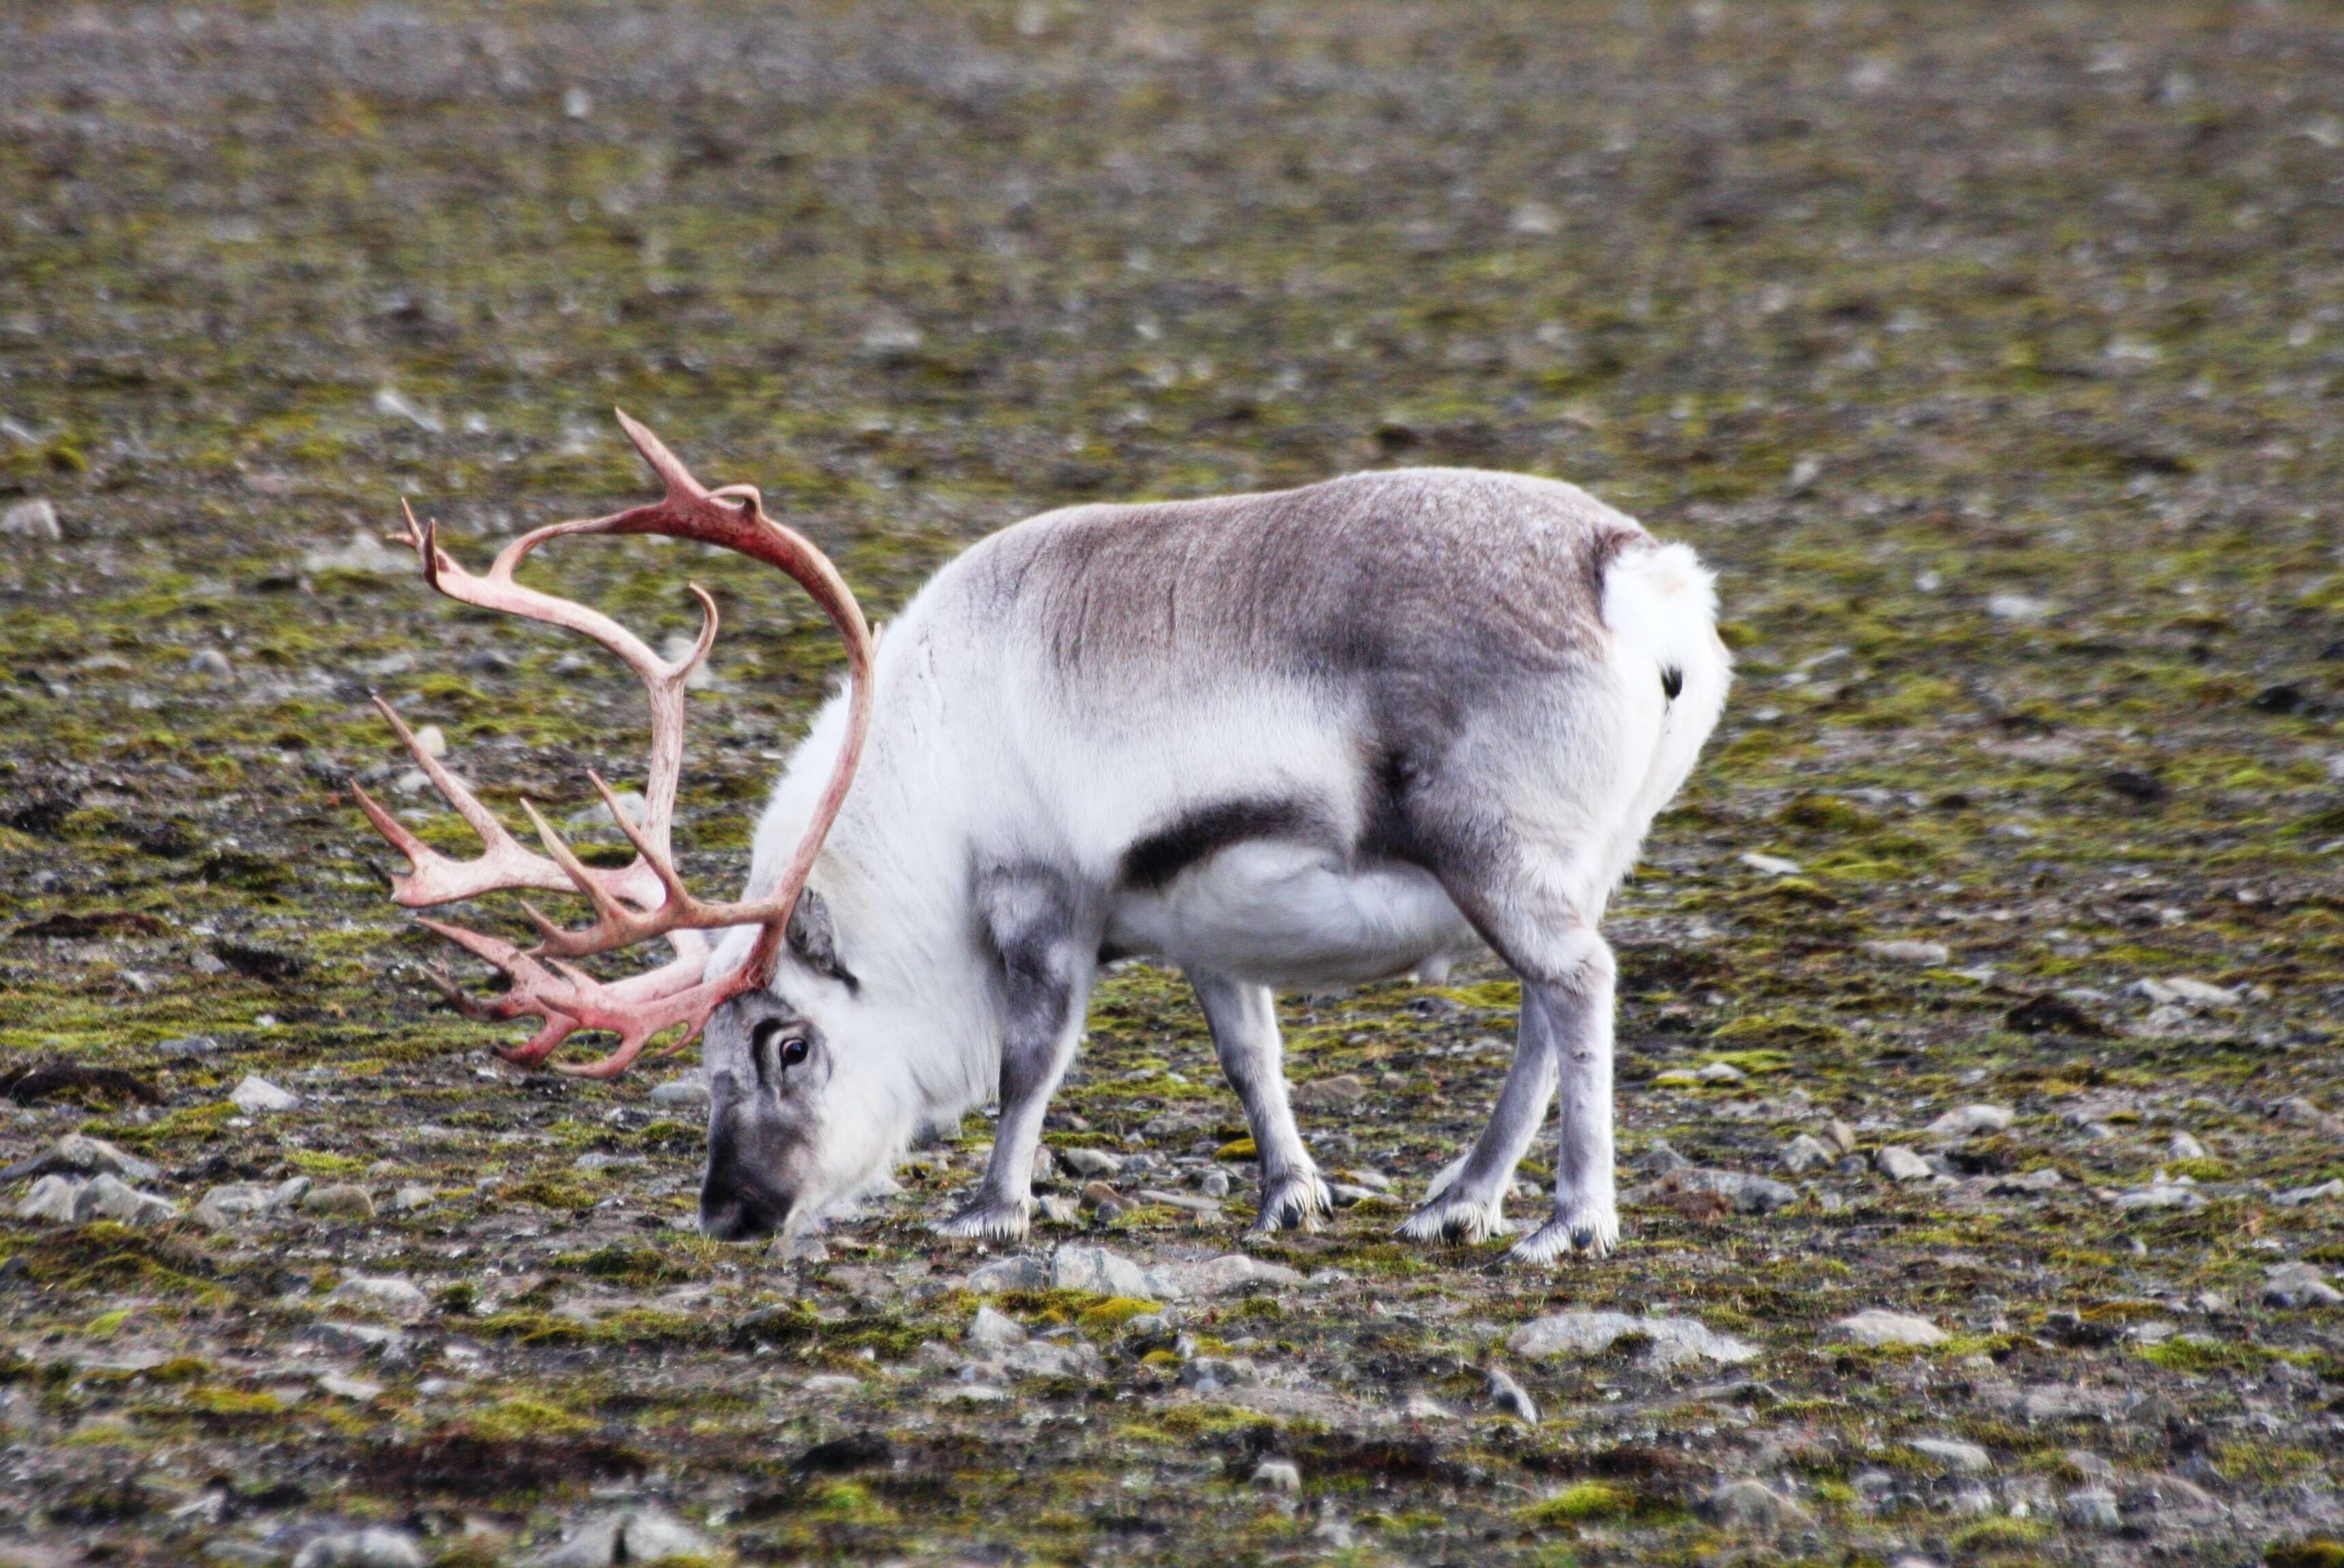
[{"x": 789, "y": 1046}]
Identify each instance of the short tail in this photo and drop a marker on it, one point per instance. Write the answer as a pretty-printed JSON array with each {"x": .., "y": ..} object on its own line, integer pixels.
[{"x": 1660, "y": 604}]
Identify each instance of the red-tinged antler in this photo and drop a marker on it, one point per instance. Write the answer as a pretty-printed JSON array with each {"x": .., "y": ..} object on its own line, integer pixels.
[{"x": 647, "y": 898}]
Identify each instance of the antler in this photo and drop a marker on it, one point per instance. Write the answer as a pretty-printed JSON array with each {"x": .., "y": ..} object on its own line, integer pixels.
[{"x": 647, "y": 898}]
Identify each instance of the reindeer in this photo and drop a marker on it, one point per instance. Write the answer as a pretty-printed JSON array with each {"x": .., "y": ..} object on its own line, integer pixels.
[{"x": 1309, "y": 738}]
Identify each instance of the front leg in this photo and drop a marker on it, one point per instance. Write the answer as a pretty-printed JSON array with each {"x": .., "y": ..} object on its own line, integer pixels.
[
  {"x": 1048, "y": 959},
  {"x": 1244, "y": 1020}
]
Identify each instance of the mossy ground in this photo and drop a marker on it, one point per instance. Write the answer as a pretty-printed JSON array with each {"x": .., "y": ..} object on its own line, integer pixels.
[{"x": 1990, "y": 353}]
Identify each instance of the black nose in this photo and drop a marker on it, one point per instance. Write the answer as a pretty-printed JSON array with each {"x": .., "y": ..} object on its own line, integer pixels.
[{"x": 734, "y": 1208}]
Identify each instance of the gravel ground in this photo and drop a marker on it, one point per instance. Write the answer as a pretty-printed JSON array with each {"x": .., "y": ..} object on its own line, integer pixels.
[{"x": 1980, "y": 1084}]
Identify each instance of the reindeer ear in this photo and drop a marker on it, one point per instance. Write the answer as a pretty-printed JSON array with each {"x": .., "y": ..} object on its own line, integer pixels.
[{"x": 814, "y": 942}]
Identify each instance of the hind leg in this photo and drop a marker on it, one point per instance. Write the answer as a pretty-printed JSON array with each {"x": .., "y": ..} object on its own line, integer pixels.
[
  {"x": 1245, "y": 1035},
  {"x": 1532, "y": 907}
]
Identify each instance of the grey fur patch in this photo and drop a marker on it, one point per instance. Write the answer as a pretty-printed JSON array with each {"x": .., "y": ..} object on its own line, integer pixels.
[{"x": 1199, "y": 835}]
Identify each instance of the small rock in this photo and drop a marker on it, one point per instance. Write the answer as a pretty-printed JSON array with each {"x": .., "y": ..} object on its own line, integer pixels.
[
  {"x": 2299, "y": 1285},
  {"x": 2294, "y": 1197},
  {"x": 2042, "y": 1179},
  {"x": 1658, "y": 1159},
  {"x": 224, "y": 1206},
  {"x": 1732, "y": 1190},
  {"x": 289, "y": 1193},
  {"x": 1841, "y": 1137},
  {"x": 53, "y": 1199},
  {"x": 1874, "y": 1326},
  {"x": 1222, "y": 1275},
  {"x": 34, "y": 519},
  {"x": 1771, "y": 864},
  {"x": 1025, "y": 1272},
  {"x": 1953, "y": 1455},
  {"x": 995, "y": 1329},
  {"x": 1750, "y": 1502},
  {"x": 2189, "y": 991},
  {"x": 2092, "y": 1508},
  {"x": 1089, "y": 1162},
  {"x": 188, "y": 1046},
  {"x": 1512, "y": 1397},
  {"x": 1964, "y": 1120},
  {"x": 1935, "y": 955},
  {"x": 109, "y": 1197},
  {"x": 1206, "y": 1373},
  {"x": 1058, "y": 1209},
  {"x": 832, "y": 1383},
  {"x": 1675, "y": 1341},
  {"x": 256, "y": 1095},
  {"x": 1805, "y": 1153},
  {"x": 1722, "y": 1073},
  {"x": 394, "y": 1296},
  {"x": 2185, "y": 1147},
  {"x": 412, "y": 1196},
  {"x": 1901, "y": 1164},
  {"x": 1214, "y": 1183},
  {"x": 1339, "y": 1093},
  {"x": 340, "y": 1200},
  {"x": 638, "y": 1535},
  {"x": 371, "y": 1548},
  {"x": 210, "y": 664},
  {"x": 341, "y": 1385},
  {"x": 1278, "y": 1475},
  {"x": 684, "y": 1091},
  {"x": 85, "y": 1156},
  {"x": 1424, "y": 1407},
  {"x": 1102, "y": 1273},
  {"x": 2298, "y": 1111},
  {"x": 2161, "y": 1193}
]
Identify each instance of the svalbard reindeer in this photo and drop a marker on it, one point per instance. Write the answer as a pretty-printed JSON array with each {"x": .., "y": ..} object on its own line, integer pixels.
[{"x": 1304, "y": 739}]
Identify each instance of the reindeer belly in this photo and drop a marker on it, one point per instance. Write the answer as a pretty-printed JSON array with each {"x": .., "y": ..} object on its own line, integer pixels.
[{"x": 1292, "y": 916}]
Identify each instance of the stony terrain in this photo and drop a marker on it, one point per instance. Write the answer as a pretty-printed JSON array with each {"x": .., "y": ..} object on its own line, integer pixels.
[{"x": 1981, "y": 1088}]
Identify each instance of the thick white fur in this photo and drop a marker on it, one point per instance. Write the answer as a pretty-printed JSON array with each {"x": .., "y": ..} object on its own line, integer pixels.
[{"x": 980, "y": 754}]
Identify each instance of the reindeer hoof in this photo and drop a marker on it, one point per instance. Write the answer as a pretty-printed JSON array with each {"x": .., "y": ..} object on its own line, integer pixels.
[
  {"x": 1590, "y": 1227},
  {"x": 986, "y": 1221},
  {"x": 1456, "y": 1219},
  {"x": 1294, "y": 1203}
]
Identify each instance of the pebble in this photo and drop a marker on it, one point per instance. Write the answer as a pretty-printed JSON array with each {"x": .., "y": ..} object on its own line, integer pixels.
[
  {"x": 394, "y": 1296},
  {"x": 1512, "y": 1397},
  {"x": 637, "y": 1535},
  {"x": 1102, "y": 1273},
  {"x": 1953, "y": 1454},
  {"x": 1749, "y": 1194},
  {"x": 340, "y": 1200},
  {"x": 829, "y": 1383},
  {"x": 52, "y": 1199},
  {"x": 1899, "y": 1163},
  {"x": 1964, "y": 1120},
  {"x": 995, "y": 1329},
  {"x": 1424, "y": 1407},
  {"x": 1722, "y": 1073},
  {"x": 1338, "y": 1093},
  {"x": 412, "y": 1196},
  {"x": 1214, "y": 1183},
  {"x": 1934, "y": 953},
  {"x": 86, "y": 1155},
  {"x": 1874, "y": 1326},
  {"x": 1675, "y": 1341},
  {"x": 1058, "y": 1209},
  {"x": 684, "y": 1091},
  {"x": 2185, "y": 1147},
  {"x": 1805, "y": 1153},
  {"x": 107, "y": 1197},
  {"x": 34, "y": 519},
  {"x": 2092, "y": 1508},
  {"x": 188, "y": 1046},
  {"x": 341, "y": 1385},
  {"x": 1089, "y": 1162},
  {"x": 210, "y": 663},
  {"x": 1771, "y": 864},
  {"x": 1278, "y": 1475},
  {"x": 1658, "y": 1159},
  {"x": 256, "y": 1095},
  {"x": 2299, "y": 1284},
  {"x": 371, "y": 1548},
  {"x": 2294, "y": 1197},
  {"x": 2162, "y": 1193},
  {"x": 1750, "y": 1502},
  {"x": 1023, "y": 1272},
  {"x": 1840, "y": 1135},
  {"x": 1206, "y": 1373}
]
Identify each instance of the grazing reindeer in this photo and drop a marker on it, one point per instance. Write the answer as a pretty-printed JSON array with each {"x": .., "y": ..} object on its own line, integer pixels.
[{"x": 1303, "y": 739}]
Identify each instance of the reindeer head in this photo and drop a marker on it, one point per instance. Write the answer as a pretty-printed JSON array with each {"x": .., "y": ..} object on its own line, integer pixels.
[{"x": 769, "y": 1059}]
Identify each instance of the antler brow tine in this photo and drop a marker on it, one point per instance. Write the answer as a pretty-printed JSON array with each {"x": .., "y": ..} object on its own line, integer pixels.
[{"x": 647, "y": 898}]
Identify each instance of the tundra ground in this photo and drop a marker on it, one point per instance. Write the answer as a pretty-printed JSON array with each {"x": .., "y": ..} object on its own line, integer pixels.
[{"x": 1992, "y": 354}]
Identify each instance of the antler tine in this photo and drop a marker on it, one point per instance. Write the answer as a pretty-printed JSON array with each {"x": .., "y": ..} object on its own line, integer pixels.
[{"x": 648, "y": 898}]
